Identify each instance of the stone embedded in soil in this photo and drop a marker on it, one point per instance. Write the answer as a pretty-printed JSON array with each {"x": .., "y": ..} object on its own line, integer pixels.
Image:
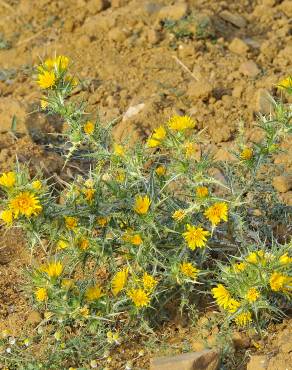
[
  {"x": 8, "y": 108},
  {"x": 286, "y": 7},
  {"x": 257, "y": 363},
  {"x": 117, "y": 35},
  {"x": 238, "y": 46},
  {"x": 263, "y": 102},
  {"x": 240, "y": 340},
  {"x": 236, "y": 19},
  {"x": 33, "y": 318},
  {"x": 249, "y": 68},
  {"x": 96, "y": 6},
  {"x": 282, "y": 183},
  {"x": 173, "y": 12},
  {"x": 199, "y": 89},
  {"x": 203, "y": 360}
]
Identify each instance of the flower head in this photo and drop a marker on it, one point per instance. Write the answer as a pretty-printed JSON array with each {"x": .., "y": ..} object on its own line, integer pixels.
[
  {"x": 7, "y": 216},
  {"x": 62, "y": 244},
  {"x": 89, "y": 194},
  {"x": 89, "y": 127},
  {"x": 243, "y": 319},
  {"x": 37, "y": 185},
  {"x": 195, "y": 237},
  {"x": 285, "y": 259},
  {"x": 149, "y": 282},
  {"x": 8, "y": 179},
  {"x": 280, "y": 282},
  {"x": 142, "y": 204},
  {"x": 53, "y": 269},
  {"x": 189, "y": 270},
  {"x": 216, "y": 213},
  {"x": 286, "y": 83},
  {"x": 102, "y": 221},
  {"x": 202, "y": 191},
  {"x": 152, "y": 143},
  {"x": 93, "y": 293},
  {"x": 119, "y": 281},
  {"x": 246, "y": 154},
  {"x": 26, "y": 204},
  {"x": 239, "y": 267},
  {"x": 71, "y": 222},
  {"x": 224, "y": 299},
  {"x": 179, "y": 215},
  {"x": 160, "y": 170},
  {"x": 135, "y": 239},
  {"x": 159, "y": 133},
  {"x": 119, "y": 150},
  {"x": 46, "y": 79},
  {"x": 139, "y": 297},
  {"x": 41, "y": 294},
  {"x": 84, "y": 244},
  {"x": 191, "y": 149},
  {"x": 180, "y": 123},
  {"x": 252, "y": 295}
]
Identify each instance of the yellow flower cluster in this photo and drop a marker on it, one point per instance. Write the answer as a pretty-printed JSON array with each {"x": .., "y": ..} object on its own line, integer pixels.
[
  {"x": 224, "y": 299},
  {"x": 189, "y": 270},
  {"x": 25, "y": 204},
  {"x": 142, "y": 204},
  {"x": 181, "y": 123},
  {"x": 119, "y": 281},
  {"x": 195, "y": 237},
  {"x": 157, "y": 137},
  {"x": 216, "y": 213}
]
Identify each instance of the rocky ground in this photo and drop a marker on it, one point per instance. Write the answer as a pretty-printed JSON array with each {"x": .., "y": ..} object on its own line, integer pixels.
[{"x": 141, "y": 61}]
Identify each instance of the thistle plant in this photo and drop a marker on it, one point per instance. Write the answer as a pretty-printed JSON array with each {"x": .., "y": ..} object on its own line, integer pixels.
[{"x": 147, "y": 224}]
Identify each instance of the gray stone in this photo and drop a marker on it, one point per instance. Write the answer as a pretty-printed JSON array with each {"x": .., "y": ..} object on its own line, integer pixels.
[
  {"x": 249, "y": 69},
  {"x": 203, "y": 360},
  {"x": 235, "y": 19}
]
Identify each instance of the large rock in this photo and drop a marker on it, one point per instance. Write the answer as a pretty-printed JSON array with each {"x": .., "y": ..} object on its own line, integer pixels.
[
  {"x": 238, "y": 46},
  {"x": 235, "y": 19},
  {"x": 282, "y": 183},
  {"x": 203, "y": 360},
  {"x": 258, "y": 363},
  {"x": 263, "y": 102},
  {"x": 249, "y": 68},
  {"x": 173, "y": 12},
  {"x": 9, "y": 108}
]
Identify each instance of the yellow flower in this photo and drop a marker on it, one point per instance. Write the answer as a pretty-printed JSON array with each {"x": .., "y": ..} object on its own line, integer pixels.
[
  {"x": 216, "y": 213},
  {"x": 89, "y": 194},
  {"x": 257, "y": 257},
  {"x": 41, "y": 294},
  {"x": 189, "y": 270},
  {"x": 89, "y": 183},
  {"x": 223, "y": 298},
  {"x": 89, "y": 127},
  {"x": 37, "y": 184},
  {"x": 84, "y": 311},
  {"x": 243, "y": 319},
  {"x": 149, "y": 282},
  {"x": 25, "y": 203},
  {"x": 102, "y": 221},
  {"x": 112, "y": 337},
  {"x": 8, "y": 179},
  {"x": 46, "y": 79},
  {"x": 190, "y": 149},
  {"x": 44, "y": 104},
  {"x": 280, "y": 282},
  {"x": 119, "y": 281},
  {"x": 180, "y": 123},
  {"x": 252, "y": 295},
  {"x": 179, "y": 215},
  {"x": 246, "y": 154},
  {"x": 62, "y": 244},
  {"x": 7, "y": 216},
  {"x": 93, "y": 293},
  {"x": 285, "y": 259},
  {"x": 119, "y": 150},
  {"x": 67, "y": 283},
  {"x": 286, "y": 83},
  {"x": 62, "y": 62},
  {"x": 159, "y": 133},
  {"x": 71, "y": 222},
  {"x": 139, "y": 297},
  {"x": 120, "y": 177},
  {"x": 239, "y": 266},
  {"x": 195, "y": 237},
  {"x": 160, "y": 170},
  {"x": 202, "y": 191},
  {"x": 142, "y": 204},
  {"x": 84, "y": 244},
  {"x": 136, "y": 239},
  {"x": 152, "y": 143},
  {"x": 53, "y": 269}
]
